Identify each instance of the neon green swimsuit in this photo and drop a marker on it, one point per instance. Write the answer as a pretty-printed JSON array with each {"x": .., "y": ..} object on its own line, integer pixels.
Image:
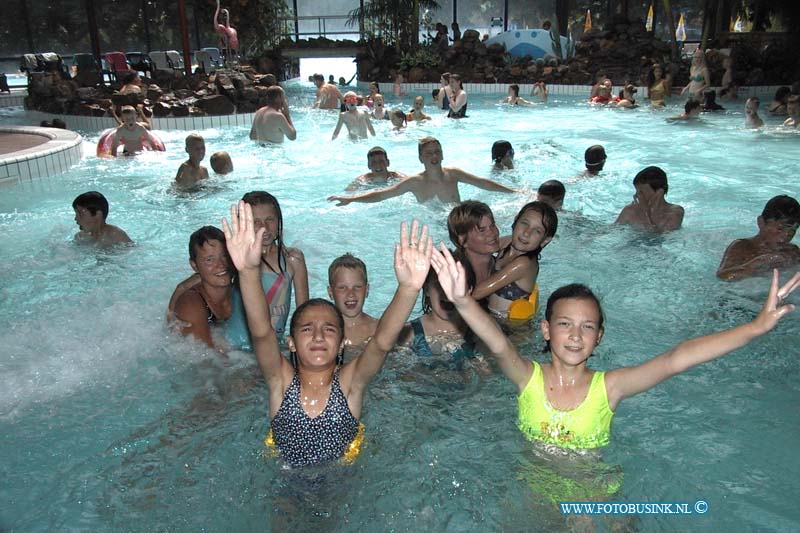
[{"x": 586, "y": 426}]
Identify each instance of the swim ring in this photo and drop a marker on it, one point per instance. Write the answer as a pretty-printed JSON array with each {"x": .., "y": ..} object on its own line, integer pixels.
[
  {"x": 523, "y": 309},
  {"x": 150, "y": 141}
]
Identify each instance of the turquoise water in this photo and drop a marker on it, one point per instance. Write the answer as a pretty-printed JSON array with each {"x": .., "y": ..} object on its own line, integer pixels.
[{"x": 107, "y": 421}]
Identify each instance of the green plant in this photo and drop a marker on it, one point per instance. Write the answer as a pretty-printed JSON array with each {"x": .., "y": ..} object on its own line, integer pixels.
[{"x": 422, "y": 57}]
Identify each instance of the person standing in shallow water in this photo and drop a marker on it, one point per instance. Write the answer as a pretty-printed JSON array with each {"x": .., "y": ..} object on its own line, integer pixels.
[{"x": 315, "y": 401}]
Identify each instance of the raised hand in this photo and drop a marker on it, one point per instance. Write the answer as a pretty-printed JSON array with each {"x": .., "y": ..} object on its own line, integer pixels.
[
  {"x": 412, "y": 257},
  {"x": 450, "y": 272},
  {"x": 774, "y": 309},
  {"x": 244, "y": 244}
]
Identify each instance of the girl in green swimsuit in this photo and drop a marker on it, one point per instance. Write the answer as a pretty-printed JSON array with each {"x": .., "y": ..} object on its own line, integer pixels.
[
  {"x": 699, "y": 78},
  {"x": 564, "y": 402}
]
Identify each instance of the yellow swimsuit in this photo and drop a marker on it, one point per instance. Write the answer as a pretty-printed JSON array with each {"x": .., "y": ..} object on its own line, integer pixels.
[{"x": 586, "y": 426}]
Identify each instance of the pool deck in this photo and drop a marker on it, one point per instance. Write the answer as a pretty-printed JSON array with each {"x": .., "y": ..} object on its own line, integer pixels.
[{"x": 30, "y": 152}]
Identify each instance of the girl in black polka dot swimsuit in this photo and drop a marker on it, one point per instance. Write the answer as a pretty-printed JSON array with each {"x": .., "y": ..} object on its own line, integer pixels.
[{"x": 314, "y": 400}]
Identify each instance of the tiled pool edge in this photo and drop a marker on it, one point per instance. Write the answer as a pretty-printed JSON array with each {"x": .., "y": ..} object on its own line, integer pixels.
[{"x": 57, "y": 155}]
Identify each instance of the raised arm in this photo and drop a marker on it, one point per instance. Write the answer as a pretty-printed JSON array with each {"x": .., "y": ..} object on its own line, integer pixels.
[
  {"x": 338, "y": 126},
  {"x": 297, "y": 262},
  {"x": 369, "y": 124},
  {"x": 244, "y": 248},
  {"x": 481, "y": 183},
  {"x": 453, "y": 280},
  {"x": 625, "y": 382},
  {"x": 520, "y": 268},
  {"x": 375, "y": 196}
]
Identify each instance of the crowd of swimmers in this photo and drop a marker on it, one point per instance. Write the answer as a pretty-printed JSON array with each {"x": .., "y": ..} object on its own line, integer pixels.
[{"x": 246, "y": 278}]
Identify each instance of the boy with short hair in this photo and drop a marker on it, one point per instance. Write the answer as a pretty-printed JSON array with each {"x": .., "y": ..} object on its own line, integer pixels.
[
  {"x": 356, "y": 120},
  {"x": 649, "y": 209},
  {"x": 191, "y": 171},
  {"x": 221, "y": 163},
  {"x": 595, "y": 158},
  {"x": 691, "y": 110},
  {"x": 348, "y": 287},
  {"x": 434, "y": 182},
  {"x": 771, "y": 248},
  {"x": 91, "y": 210},
  {"x": 552, "y": 193},
  {"x": 129, "y": 133},
  {"x": 379, "y": 173}
]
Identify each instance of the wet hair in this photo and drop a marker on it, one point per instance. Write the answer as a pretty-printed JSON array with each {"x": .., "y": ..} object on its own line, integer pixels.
[
  {"x": 127, "y": 109},
  {"x": 654, "y": 177},
  {"x": 377, "y": 87},
  {"x": 710, "y": 100},
  {"x": 514, "y": 87},
  {"x": 375, "y": 150},
  {"x": 630, "y": 88},
  {"x": 500, "y": 149},
  {"x": 270, "y": 79},
  {"x": 219, "y": 160},
  {"x": 93, "y": 202},
  {"x": 549, "y": 221},
  {"x": 273, "y": 93},
  {"x": 446, "y": 76},
  {"x": 203, "y": 235},
  {"x": 782, "y": 93},
  {"x": 690, "y": 106},
  {"x": 552, "y": 189},
  {"x": 315, "y": 302},
  {"x": 575, "y": 291},
  {"x": 265, "y": 198},
  {"x": 399, "y": 115},
  {"x": 432, "y": 280},
  {"x": 753, "y": 99},
  {"x": 194, "y": 137},
  {"x": 319, "y": 77},
  {"x": 464, "y": 217},
  {"x": 595, "y": 157},
  {"x": 58, "y": 123},
  {"x": 350, "y": 261},
  {"x": 426, "y": 141},
  {"x": 782, "y": 207},
  {"x": 435, "y": 93},
  {"x": 794, "y": 99}
]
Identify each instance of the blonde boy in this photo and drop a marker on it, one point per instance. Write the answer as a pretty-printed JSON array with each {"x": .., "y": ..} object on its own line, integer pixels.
[
  {"x": 191, "y": 171},
  {"x": 348, "y": 288}
]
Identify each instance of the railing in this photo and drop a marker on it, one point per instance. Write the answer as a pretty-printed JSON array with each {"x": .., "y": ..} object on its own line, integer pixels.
[{"x": 291, "y": 26}]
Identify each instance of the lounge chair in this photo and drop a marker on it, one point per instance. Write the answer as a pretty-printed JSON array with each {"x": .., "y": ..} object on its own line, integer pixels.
[
  {"x": 203, "y": 60},
  {"x": 160, "y": 60},
  {"x": 215, "y": 55},
  {"x": 117, "y": 64},
  {"x": 140, "y": 62},
  {"x": 175, "y": 59}
]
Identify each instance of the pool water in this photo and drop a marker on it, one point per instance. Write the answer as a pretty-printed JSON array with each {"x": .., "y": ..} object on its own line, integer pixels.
[{"x": 108, "y": 421}]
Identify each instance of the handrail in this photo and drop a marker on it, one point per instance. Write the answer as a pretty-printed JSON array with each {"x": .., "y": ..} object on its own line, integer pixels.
[{"x": 290, "y": 24}]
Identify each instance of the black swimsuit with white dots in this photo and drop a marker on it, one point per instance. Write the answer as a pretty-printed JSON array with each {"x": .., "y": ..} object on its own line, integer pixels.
[{"x": 303, "y": 440}]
